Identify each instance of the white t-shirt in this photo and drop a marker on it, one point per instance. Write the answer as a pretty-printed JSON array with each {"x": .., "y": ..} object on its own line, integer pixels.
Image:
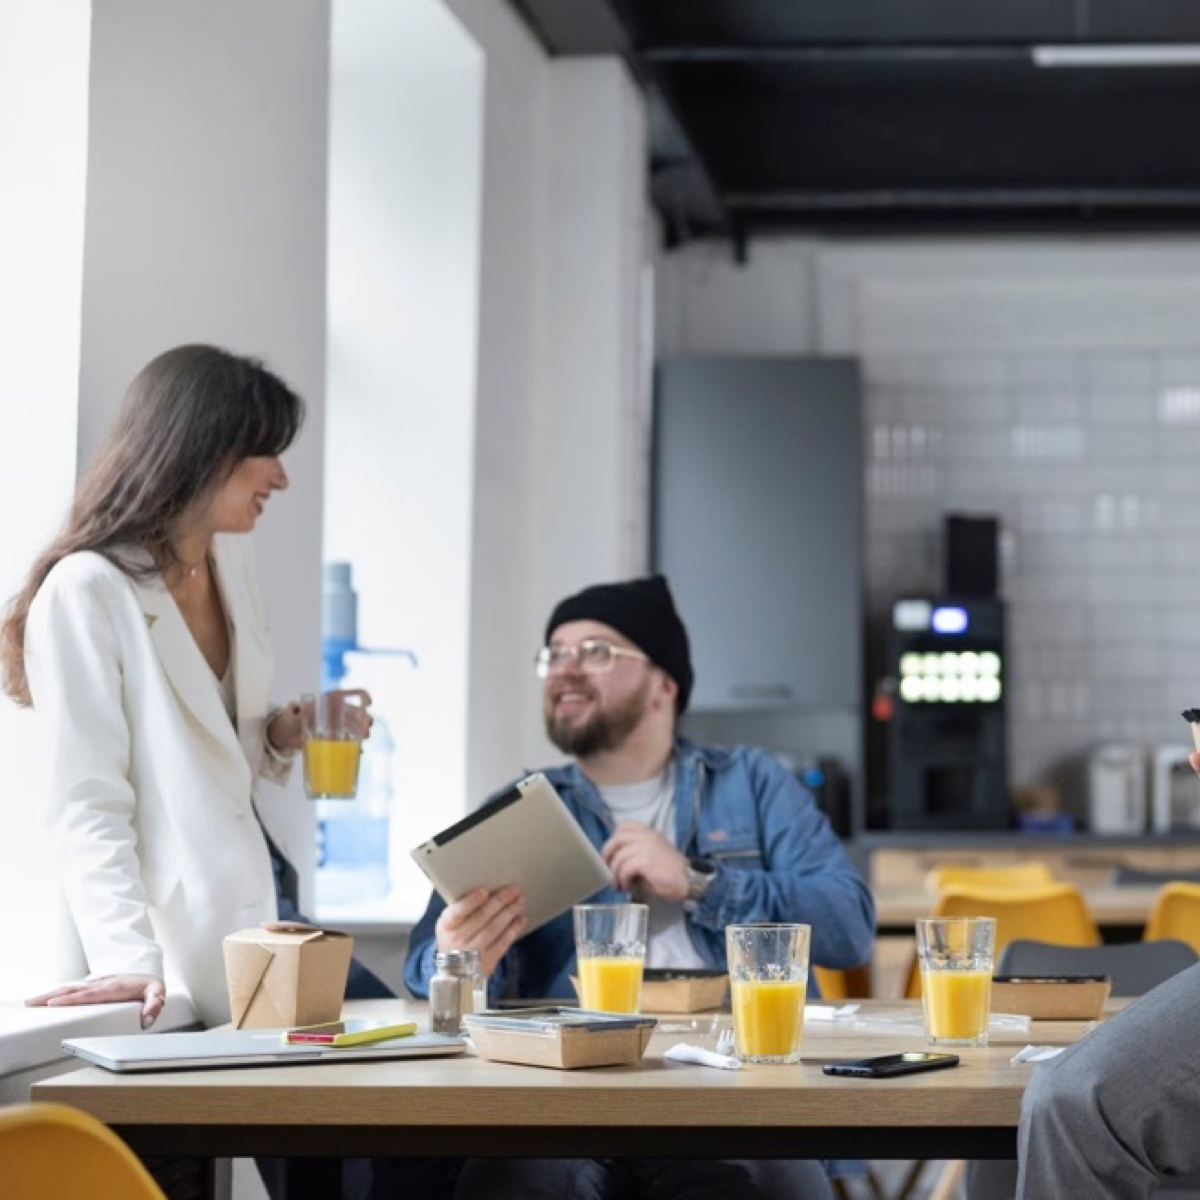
[{"x": 652, "y": 801}]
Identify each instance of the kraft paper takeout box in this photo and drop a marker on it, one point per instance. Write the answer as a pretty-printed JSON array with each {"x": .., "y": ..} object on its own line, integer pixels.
[
  {"x": 564, "y": 1038},
  {"x": 683, "y": 991},
  {"x": 1051, "y": 998},
  {"x": 286, "y": 973}
]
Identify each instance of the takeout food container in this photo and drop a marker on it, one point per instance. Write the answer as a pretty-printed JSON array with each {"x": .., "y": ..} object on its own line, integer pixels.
[
  {"x": 683, "y": 991},
  {"x": 1061, "y": 998},
  {"x": 286, "y": 973},
  {"x": 564, "y": 1038}
]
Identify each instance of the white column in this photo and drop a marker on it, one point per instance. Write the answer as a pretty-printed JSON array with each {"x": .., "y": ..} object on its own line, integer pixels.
[
  {"x": 43, "y": 146},
  {"x": 206, "y": 223},
  {"x": 591, "y": 524},
  {"x": 164, "y": 182}
]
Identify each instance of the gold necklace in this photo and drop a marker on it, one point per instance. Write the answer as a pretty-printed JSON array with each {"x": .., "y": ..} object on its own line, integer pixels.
[{"x": 191, "y": 570}]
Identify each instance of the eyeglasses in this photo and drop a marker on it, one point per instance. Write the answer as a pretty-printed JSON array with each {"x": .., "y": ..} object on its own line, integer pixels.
[{"x": 593, "y": 656}]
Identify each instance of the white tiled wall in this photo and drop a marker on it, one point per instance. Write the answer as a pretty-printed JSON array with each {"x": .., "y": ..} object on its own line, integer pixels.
[
  {"x": 1053, "y": 383},
  {"x": 1060, "y": 391}
]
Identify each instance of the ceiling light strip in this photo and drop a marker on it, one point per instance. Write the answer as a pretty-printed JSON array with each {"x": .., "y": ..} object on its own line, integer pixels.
[{"x": 1160, "y": 55}]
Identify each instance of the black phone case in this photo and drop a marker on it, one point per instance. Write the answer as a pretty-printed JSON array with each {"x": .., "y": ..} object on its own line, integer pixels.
[{"x": 864, "y": 1070}]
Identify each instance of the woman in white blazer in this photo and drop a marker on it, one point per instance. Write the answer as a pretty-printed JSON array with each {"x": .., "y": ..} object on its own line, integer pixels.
[{"x": 140, "y": 641}]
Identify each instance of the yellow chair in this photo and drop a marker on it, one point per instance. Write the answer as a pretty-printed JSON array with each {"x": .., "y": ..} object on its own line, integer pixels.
[
  {"x": 1176, "y": 914},
  {"x": 850, "y": 984},
  {"x": 1022, "y": 875},
  {"x": 52, "y": 1152},
  {"x": 1053, "y": 912}
]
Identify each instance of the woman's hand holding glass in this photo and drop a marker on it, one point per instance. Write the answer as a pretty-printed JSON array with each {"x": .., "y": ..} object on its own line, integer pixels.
[{"x": 286, "y": 729}]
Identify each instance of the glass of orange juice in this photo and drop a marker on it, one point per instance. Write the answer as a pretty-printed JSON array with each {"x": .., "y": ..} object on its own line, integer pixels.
[
  {"x": 956, "y": 956},
  {"x": 332, "y": 748},
  {"x": 768, "y": 976},
  {"x": 610, "y": 951}
]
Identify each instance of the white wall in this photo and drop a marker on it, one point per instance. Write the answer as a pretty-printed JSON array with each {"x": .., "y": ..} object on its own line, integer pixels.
[
  {"x": 591, "y": 523},
  {"x": 1052, "y": 381},
  {"x": 200, "y": 131},
  {"x": 205, "y": 219},
  {"x": 502, "y": 719},
  {"x": 43, "y": 144},
  {"x": 708, "y": 303},
  {"x": 206, "y": 222},
  {"x": 560, "y": 415}
]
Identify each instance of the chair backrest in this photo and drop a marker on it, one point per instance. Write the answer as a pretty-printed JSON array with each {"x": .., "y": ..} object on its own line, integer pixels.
[
  {"x": 1051, "y": 912},
  {"x": 1176, "y": 914},
  {"x": 51, "y": 1150},
  {"x": 835, "y": 983},
  {"x": 1022, "y": 875},
  {"x": 1133, "y": 967}
]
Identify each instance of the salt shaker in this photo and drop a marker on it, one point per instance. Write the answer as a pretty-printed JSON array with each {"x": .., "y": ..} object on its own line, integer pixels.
[
  {"x": 457, "y": 988},
  {"x": 446, "y": 991}
]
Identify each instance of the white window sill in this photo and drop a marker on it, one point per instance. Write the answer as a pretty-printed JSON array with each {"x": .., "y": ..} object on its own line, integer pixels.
[{"x": 32, "y": 1037}]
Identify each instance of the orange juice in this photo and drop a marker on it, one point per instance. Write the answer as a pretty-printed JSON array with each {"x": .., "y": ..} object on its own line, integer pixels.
[
  {"x": 768, "y": 1017},
  {"x": 331, "y": 766},
  {"x": 957, "y": 1004},
  {"x": 611, "y": 984}
]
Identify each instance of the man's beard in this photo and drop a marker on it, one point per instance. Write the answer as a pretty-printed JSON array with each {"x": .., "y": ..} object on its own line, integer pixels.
[{"x": 601, "y": 732}]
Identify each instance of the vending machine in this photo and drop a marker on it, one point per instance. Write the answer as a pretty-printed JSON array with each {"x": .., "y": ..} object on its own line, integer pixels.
[{"x": 945, "y": 727}]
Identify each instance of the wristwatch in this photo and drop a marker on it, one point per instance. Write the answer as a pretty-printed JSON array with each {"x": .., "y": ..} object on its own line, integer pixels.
[{"x": 700, "y": 874}]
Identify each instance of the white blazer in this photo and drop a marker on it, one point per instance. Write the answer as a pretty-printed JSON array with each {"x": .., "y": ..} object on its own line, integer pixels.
[{"x": 151, "y": 786}]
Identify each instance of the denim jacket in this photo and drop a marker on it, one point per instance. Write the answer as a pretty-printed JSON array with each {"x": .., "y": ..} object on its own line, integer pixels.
[{"x": 776, "y": 856}]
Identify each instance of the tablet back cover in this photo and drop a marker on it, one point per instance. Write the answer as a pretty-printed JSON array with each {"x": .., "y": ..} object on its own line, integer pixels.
[{"x": 527, "y": 837}]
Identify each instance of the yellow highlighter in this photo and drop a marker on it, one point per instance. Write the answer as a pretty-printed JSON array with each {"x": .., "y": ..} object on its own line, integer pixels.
[{"x": 350, "y": 1033}]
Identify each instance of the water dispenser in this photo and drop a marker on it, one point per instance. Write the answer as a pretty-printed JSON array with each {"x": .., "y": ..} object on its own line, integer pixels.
[{"x": 353, "y": 835}]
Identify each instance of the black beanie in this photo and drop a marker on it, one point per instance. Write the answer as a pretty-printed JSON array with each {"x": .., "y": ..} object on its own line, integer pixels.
[{"x": 644, "y": 611}]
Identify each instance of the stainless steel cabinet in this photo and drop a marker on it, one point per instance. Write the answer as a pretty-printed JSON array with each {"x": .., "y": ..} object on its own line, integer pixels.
[{"x": 757, "y": 488}]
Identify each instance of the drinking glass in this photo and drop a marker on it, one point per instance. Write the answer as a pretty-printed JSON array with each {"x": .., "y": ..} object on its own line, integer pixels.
[
  {"x": 956, "y": 957},
  {"x": 332, "y": 748},
  {"x": 610, "y": 950},
  {"x": 768, "y": 973}
]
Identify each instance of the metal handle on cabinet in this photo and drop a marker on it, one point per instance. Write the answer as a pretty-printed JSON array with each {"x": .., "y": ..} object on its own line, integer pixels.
[{"x": 761, "y": 691}]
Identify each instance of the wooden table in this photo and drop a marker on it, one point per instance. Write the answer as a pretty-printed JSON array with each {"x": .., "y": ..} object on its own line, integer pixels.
[
  {"x": 1121, "y": 909},
  {"x": 468, "y": 1106}
]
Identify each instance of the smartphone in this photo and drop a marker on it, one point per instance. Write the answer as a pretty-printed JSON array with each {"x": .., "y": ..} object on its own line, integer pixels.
[
  {"x": 890, "y": 1064},
  {"x": 350, "y": 1033}
]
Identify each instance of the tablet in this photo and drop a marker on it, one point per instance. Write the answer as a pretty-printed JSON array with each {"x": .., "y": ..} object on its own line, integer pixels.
[{"x": 527, "y": 837}]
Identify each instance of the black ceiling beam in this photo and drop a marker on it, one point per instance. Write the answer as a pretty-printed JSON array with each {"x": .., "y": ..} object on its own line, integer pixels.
[
  {"x": 1160, "y": 199},
  {"x": 768, "y": 55},
  {"x": 568, "y": 27},
  {"x": 680, "y": 183},
  {"x": 919, "y": 222},
  {"x": 961, "y": 22}
]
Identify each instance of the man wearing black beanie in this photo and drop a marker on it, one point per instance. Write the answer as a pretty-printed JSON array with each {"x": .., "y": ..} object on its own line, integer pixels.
[{"x": 705, "y": 836}]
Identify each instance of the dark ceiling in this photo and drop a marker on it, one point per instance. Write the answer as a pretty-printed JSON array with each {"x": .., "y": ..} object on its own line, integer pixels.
[{"x": 904, "y": 116}]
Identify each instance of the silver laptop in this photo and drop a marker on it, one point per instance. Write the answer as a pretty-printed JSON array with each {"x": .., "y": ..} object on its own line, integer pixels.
[{"x": 244, "y": 1048}]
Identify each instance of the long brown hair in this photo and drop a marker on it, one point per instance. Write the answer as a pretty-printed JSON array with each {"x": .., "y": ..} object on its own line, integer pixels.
[{"x": 191, "y": 415}]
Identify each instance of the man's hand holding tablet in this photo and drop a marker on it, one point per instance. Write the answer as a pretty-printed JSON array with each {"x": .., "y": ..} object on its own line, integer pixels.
[{"x": 483, "y": 920}]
